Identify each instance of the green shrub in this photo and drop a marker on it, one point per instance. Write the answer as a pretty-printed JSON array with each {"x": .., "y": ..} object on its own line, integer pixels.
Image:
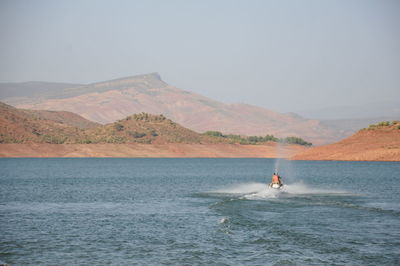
[
  {"x": 136, "y": 134},
  {"x": 116, "y": 139},
  {"x": 147, "y": 117},
  {"x": 53, "y": 139},
  {"x": 119, "y": 127},
  {"x": 384, "y": 123},
  {"x": 295, "y": 140},
  {"x": 214, "y": 134},
  {"x": 242, "y": 139}
]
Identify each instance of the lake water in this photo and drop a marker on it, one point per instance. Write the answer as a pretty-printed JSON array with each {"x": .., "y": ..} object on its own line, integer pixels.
[{"x": 197, "y": 212}]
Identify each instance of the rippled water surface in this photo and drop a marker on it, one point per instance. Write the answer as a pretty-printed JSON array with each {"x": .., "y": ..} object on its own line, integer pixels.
[{"x": 198, "y": 211}]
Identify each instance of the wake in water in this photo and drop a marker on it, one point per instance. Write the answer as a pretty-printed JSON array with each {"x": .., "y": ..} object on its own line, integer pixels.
[{"x": 263, "y": 191}]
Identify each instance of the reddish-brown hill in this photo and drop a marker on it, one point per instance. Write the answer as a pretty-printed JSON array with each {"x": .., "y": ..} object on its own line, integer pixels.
[
  {"x": 377, "y": 143},
  {"x": 24, "y": 126},
  {"x": 108, "y": 101}
]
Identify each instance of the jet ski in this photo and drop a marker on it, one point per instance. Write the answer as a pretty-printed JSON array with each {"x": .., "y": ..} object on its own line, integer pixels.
[
  {"x": 275, "y": 185},
  {"x": 276, "y": 182}
]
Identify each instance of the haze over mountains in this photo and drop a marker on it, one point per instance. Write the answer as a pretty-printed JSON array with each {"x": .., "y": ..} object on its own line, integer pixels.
[
  {"x": 383, "y": 110},
  {"x": 108, "y": 101},
  {"x": 32, "y": 90}
]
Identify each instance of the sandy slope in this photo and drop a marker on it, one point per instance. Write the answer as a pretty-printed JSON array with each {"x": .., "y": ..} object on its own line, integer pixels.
[
  {"x": 366, "y": 145},
  {"x": 270, "y": 150}
]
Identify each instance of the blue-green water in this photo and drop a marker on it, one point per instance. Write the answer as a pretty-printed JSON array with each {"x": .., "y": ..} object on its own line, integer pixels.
[{"x": 198, "y": 211}]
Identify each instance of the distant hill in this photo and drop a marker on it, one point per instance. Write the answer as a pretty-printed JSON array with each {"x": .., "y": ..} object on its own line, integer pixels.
[
  {"x": 378, "y": 142},
  {"x": 108, "y": 101},
  {"x": 27, "y": 91},
  {"x": 23, "y": 126}
]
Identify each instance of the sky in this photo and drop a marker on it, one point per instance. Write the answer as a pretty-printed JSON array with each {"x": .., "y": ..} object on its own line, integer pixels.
[{"x": 282, "y": 55}]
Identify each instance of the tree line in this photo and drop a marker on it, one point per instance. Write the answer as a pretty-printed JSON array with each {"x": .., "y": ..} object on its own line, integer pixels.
[{"x": 257, "y": 139}]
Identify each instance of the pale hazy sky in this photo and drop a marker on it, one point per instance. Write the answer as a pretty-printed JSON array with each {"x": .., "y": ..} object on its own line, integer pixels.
[{"x": 283, "y": 55}]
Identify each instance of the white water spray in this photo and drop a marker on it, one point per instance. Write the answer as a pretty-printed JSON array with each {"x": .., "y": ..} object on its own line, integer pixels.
[
  {"x": 258, "y": 191},
  {"x": 283, "y": 166}
]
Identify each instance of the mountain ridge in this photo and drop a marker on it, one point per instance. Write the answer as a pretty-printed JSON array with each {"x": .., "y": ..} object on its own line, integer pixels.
[{"x": 108, "y": 101}]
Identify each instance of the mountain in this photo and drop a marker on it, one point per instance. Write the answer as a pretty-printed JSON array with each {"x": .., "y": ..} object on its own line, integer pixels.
[
  {"x": 108, "y": 101},
  {"x": 379, "y": 142}
]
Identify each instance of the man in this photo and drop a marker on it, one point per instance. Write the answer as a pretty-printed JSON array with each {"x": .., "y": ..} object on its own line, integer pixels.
[{"x": 276, "y": 179}]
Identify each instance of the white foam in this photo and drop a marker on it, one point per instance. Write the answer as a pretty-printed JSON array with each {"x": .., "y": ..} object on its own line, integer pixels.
[
  {"x": 266, "y": 193},
  {"x": 263, "y": 191},
  {"x": 244, "y": 188}
]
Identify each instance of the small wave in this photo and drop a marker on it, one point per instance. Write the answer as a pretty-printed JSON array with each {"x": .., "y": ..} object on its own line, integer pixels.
[
  {"x": 386, "y": 206},
  {"x": 67, "y": 207},
  {"x": 367, "y": 207},
  {"x": 224, "y": 220},
  {"x": 300, "y": 188}
]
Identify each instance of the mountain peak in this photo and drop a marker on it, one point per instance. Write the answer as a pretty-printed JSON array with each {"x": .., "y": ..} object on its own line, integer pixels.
[{"x": 153, "y": 77}]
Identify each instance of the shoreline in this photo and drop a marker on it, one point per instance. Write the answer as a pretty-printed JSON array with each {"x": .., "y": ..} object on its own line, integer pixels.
[
  {"x": 182, "y": 150},
  {"x": 136, "y": 150}
]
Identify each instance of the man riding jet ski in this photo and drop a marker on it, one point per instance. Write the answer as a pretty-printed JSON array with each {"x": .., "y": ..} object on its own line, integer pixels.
[{"x": 276, "y": 181}]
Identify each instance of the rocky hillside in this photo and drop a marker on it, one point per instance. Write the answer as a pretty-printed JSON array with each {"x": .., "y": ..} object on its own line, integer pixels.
[
  {"x": 108, "y": 101},
  {"x": 379, "y": 142},
  {"x": 145, "y": 128},
  {"x": 24, "y": 126},
  {"x": 27, "y": 126}
]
